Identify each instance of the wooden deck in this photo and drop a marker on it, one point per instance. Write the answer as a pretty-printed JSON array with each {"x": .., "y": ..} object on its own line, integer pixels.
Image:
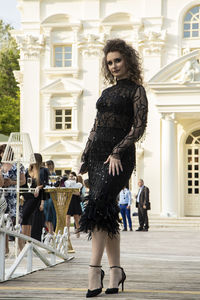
[{"x": 159, "y": 265}]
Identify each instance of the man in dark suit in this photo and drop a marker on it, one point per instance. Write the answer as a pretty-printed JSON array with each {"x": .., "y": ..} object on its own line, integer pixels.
[{"x": 143, "y": 204}]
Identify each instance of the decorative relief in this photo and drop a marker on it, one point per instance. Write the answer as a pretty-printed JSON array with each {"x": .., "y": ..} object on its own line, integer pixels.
[
  {"x": 30, "y": 45},
  {"x": 152, "y": 42},
  {"x": 189, "y": 73},
  {"x": 91, "y": 44}
]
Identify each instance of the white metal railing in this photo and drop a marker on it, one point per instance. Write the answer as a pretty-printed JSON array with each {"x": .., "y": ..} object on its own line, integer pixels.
[{"x": 56, "y": 245}]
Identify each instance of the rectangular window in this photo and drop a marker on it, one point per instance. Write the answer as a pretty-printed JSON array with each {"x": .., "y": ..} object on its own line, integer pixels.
[
  {"x": 58, "y": 172},
  {"x": 63, "y": 56},
  {"x": 63, "y": 119},
  {"x": 61, "y": 172}
]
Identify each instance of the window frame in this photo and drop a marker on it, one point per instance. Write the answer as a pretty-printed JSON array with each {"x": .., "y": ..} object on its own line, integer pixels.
[
  {"x": 63, "y": 119},
  {"x": 191, "y": 22},
  {"x": 63, "y": 170},
  {"x": 63, "y": 53}
]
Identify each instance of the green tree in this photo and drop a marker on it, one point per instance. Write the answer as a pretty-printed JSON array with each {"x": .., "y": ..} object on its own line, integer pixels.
[
  {"x": 10, "y": 114},
  {"x": 9, "y": 91}
]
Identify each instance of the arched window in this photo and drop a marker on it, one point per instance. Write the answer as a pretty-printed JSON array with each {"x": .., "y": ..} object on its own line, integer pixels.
[
  {"x": 192, "y": 23},
  {"x": 193, "y": 162}
]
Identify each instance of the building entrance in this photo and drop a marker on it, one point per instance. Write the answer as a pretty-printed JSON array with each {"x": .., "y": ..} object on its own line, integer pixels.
[{"x": 192, "y": 163}]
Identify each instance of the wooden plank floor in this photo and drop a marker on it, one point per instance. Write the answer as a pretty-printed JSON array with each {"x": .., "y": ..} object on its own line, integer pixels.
[{"x": 159, "y": 265}]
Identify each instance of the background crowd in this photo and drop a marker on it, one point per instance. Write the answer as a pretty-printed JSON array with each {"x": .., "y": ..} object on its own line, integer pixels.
[
  {"x": 37, "y": 209},
  {"x": 36, "y": 206}
]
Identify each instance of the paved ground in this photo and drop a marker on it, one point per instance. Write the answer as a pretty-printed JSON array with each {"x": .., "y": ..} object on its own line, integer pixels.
[{"x": 159, "y": 265}]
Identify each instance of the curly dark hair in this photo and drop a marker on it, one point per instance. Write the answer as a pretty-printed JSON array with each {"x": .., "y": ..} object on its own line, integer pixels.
[{"x": 131, "y": 57}]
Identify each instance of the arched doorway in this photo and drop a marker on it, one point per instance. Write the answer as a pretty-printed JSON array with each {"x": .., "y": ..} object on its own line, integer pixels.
[{"x": 192, "y": 172}]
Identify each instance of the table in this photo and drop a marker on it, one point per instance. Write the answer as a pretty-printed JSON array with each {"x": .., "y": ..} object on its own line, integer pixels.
[{"x": 61, "y": 197}]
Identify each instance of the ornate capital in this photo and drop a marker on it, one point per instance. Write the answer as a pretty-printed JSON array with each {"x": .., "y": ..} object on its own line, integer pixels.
[
  {"x": 168, "y": 116},
  {"x": 91, "y": 44},
  {"x": 152, "y": 42},
  {"x": 30, "y": 45}
]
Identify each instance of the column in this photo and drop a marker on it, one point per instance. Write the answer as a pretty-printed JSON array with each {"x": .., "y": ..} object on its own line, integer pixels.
[
  {"x": 31, "y": 47},
  {"x": 169, "y": 166}
]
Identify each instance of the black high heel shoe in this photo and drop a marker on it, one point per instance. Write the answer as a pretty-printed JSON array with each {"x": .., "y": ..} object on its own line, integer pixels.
[
  {"x": 116, "y": 290},
  {"x": 94, "y": 293}
]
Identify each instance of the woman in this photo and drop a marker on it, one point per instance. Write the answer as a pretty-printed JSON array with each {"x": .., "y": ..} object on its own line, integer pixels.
[
  {"x": 40, "y": 176},
  {"x": 49, "y": 210},
  {"x": 82, "y": 190},
  {"x": 28, "y": 206},
  {"x": 74, "y": 207},
  {"x": 109, "y": 158},
  {"x": 9, "y": 173}
]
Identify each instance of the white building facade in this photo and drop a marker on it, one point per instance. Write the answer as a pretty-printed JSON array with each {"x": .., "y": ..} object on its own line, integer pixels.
[{"x": 60, "y": 80}]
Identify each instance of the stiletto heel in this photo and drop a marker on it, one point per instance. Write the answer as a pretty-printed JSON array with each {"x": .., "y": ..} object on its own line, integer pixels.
[
  {"x": 116, "y": 290},
  {"x": 94, "y": 293}
]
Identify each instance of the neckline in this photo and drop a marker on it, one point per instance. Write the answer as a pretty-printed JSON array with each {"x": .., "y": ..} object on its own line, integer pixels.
[{"x": 124, "y": 80}]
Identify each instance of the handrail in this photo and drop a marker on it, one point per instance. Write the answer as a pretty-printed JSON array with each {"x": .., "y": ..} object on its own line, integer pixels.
[
  {"x": 31, "y": 246},
  {"x": 36, "y": 242}
]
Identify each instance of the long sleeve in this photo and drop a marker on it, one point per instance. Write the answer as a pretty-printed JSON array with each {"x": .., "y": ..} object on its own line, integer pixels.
[
  {"x": 140, "y": 110},
  {"x": 89, "y": 141},
  {"x": 146, "y": 195}
]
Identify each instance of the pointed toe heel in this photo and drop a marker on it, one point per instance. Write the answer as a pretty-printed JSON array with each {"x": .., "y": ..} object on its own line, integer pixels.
[
  {"x": 96, "y": 292},
  {"x": 116, "y": 290}
]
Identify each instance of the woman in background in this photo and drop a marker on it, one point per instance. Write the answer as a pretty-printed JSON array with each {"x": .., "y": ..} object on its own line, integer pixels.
[
  {"x": 40, "y": 176},
  {"x": 82, "y": 191},
  {"x": 9, "y": 173},
  {"x": 74, "y": 207},
  {"x": 49, "y": 210}
]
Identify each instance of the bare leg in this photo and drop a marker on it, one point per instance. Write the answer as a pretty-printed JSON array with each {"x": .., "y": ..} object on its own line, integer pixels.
[
  {"x": 113, "y": 253},
  {"x": 76, "y": 219},
  {"x": 98, "y": 245},
  {"x": 68, "y": 217},
  {"x": 26, "y": 230},
  {"x": 50, "y": 227}
]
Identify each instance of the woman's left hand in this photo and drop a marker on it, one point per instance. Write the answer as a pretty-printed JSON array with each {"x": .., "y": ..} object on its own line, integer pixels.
[
  {"x": 114, "y": 165},
  {"x": 36, "y": 193},
  {"x": 41, "y": 208}
]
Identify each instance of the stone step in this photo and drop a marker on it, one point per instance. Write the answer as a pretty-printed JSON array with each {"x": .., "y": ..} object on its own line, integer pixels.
[{"x": 163, "y": 222}]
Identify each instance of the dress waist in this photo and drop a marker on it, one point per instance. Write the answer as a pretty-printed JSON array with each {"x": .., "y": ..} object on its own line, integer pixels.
[{"x": 110, "y": 134}]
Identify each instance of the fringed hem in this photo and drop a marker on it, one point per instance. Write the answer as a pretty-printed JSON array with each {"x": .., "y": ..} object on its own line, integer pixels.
[{"x": 104, "y": 219}]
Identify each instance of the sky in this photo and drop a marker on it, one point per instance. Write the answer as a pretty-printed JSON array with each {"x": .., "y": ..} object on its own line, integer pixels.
[{"x": 9, "y": 13}]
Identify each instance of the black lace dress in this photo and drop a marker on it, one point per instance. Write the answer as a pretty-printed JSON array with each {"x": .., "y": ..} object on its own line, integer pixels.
[{"x": 120, "y": 122}]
